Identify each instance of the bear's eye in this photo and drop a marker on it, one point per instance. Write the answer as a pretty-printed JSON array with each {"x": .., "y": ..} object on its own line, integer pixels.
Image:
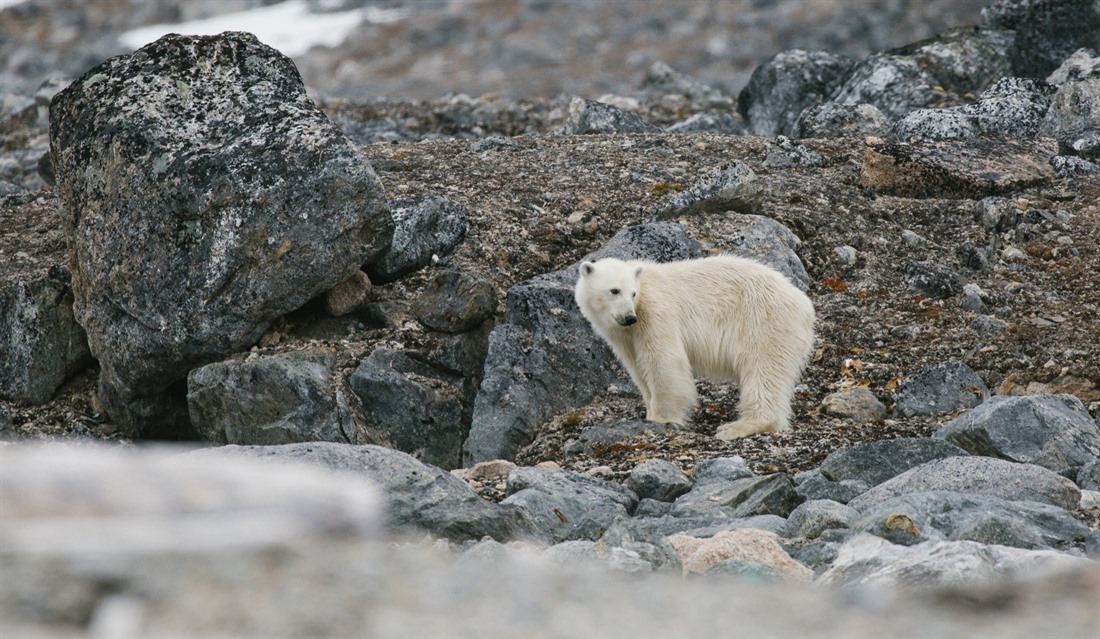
[
  {"x": 615, "y": 291},
  {"x": 634, "y": 294}
]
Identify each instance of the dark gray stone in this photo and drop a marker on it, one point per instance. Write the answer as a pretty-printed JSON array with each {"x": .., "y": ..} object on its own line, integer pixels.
[
  {"x": 454, "y": 302},
  {"x": 205, "y": 195},
  {"x": 963, "y": 60},
  {"x": 721, "y": 469},
  {"x": 1074, "y": 114},
  {"x": 894, "y": 84},
  {"x": 658, "y": 479},
  {"x": 940, "y": 388},
  {"x": 812, "y": 484},
  {"x": 275, "y": 399},
  {"x": 1013, "y": 107},
  {"x": 973, "y": 475},
  {"x": 781, "y": 88},
  {"x": 875, "y": 462},
  {"x": 661, "y": 80},
  {"x": 931, "y": 516},
  {"x": 652, "y": 508},
  {"x": 545, "y": 359},
  {"x": 1053, "y": 431},
  {"x": 933, "y": 280},
  {"x": 421, "y": 409},
  {"x": 419, "y": 497},
  {"x": 1046, "y": 31},
  {"x": 733, "y": 186},
  {"x": 564, "y": 505},
  {"x": 768, "y": 495},
  {"x": 1068, "y": 166},
  {"x": 811, "y": 518},
  {"x": 590, "y": 116},
  {"x": 833, "y": 120},
  {"x": 424, "y": 229},
  {"x": 817, "y": 555},
  {"x": 41, "y": 341}
]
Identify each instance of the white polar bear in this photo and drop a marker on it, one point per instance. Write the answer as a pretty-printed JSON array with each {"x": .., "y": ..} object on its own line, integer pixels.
[{"x": 721, "y": 317}]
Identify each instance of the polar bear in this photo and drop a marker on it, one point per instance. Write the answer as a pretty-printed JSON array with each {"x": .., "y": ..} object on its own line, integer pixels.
[{"x": 721, "y": 317}]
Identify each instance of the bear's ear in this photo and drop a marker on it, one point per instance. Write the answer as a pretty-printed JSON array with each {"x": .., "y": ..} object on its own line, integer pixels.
[
  {"x": 638, "y": 272},
  {"x": 587, "y": 268}
]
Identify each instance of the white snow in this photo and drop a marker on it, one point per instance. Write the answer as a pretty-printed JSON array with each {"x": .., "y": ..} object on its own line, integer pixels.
[{"x": 288, "y": 26}]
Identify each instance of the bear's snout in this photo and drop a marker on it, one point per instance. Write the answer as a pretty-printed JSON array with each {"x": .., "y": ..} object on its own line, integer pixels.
[{"x": 628, "y": 320}]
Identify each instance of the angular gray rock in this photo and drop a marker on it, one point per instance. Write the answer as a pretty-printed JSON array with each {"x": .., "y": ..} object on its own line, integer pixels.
[
  {"x": 590, "y": 116},
  {"x": 658, "y": 479},
  {"x": 811, "y": 518},
  {"x": 933, "y": 279},
  {"x": 833, "y": 120},
  {"x": 419, "y": 408},
  {"x": 41, "y": 342},
  {"x": 894, "y": 84},
  {"x": 545, "y": 359},
  {"x": 423, "y": 229},
  {"x": 455, "y": 302},
  {"x": 763, "y": 239},
  {"x": 721, "y": 469},
  {"x": 813, "y": 485},
  {"x": 977, "y": 476},
  {"x": 1088, "y": 478},
  {"x": 1074, "y": 114},
  {"x": 564, "y": 505},
  {"x": 1011, "y": 107},
  {"x": 1046, "y": 32},
  {"x": 940, "y": 388},
  {"x": 781, "y": 88},
  {"x": 875, "y": 462},
  {"x": 767, "y": 495},
  {"x": 276, "y": 399},
  {"x": 867, "y": 561},
  {"x": 418, "y": 497},
  {"x": 733, "y": 186},
  {"x": 937, "y": 515},
  {"x": 782, "y": 153},
  {"x": 709, "y": 122},
  {"x": 205, "y": 196},
  {"x": 654, "y": 529},
  {"x": 1053, "y": 431}
]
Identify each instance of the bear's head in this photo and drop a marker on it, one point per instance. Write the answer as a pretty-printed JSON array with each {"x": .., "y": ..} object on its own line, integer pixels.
[{"x": 607, "y": 291}]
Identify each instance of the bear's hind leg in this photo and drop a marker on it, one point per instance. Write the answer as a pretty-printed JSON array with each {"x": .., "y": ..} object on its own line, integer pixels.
[{"x": 765, "y": 405}]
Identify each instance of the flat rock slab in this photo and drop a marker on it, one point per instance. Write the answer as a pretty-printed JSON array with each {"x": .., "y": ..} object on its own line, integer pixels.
[{"x": 957, "y": 169}]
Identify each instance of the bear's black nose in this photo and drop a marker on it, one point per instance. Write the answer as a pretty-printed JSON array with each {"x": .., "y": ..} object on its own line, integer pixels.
[{"x": 629, "y": 320}]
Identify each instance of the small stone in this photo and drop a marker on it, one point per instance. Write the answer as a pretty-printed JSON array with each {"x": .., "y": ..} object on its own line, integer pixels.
[
  {"x": 346, "y": 296},
  {"x": 858, "y": 403},
  {"x": 1013, "y": 254},
  {"x": 846, "y": 255},
  {"x": 973, "y": 298},
  {"x": 658, "y": 479},
  {"x": 912, "y": 239},
  {"x": 940, "y": 388}
]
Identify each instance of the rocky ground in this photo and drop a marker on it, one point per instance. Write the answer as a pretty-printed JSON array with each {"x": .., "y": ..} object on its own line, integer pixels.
[{"x": 556, "y": 198}]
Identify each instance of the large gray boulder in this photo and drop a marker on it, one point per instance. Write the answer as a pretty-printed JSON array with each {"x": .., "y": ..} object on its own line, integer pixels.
[
  {"x": 977, "y": 476},
  {"x": 205, "y": 196},
  {"x": 940, "y": 388},
  {"x": 564, "y": 505},
  {"x": 781, "y": 88},
  {"x": 276, "y": 399},
  {"x": 419, "y": 407},
  {"x": 873, "y": 563},
  {"x": 1046, "y": 31},
  {"x": 772, "y": 494},
  {"x": 418, "y": 497},
  {"x": 545, "y": 359},
  {"x": 936, "y": 515},
  {"x": 1053, "y": 431},
  {"x": 875, "y": 462}
]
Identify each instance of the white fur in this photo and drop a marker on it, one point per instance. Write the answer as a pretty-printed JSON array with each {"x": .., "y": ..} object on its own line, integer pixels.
[{"x": 719, "y": 317}]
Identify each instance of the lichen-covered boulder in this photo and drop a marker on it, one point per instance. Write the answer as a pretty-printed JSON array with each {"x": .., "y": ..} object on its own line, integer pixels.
[{"x": 205, "y": 196}]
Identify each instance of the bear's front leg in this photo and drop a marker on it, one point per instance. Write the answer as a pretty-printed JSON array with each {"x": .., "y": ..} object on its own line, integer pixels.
[{"x": 671, "y": 386}]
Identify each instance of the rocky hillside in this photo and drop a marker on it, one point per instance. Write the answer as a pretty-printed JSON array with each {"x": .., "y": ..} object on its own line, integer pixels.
[{"x": 197, "y": 249}]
